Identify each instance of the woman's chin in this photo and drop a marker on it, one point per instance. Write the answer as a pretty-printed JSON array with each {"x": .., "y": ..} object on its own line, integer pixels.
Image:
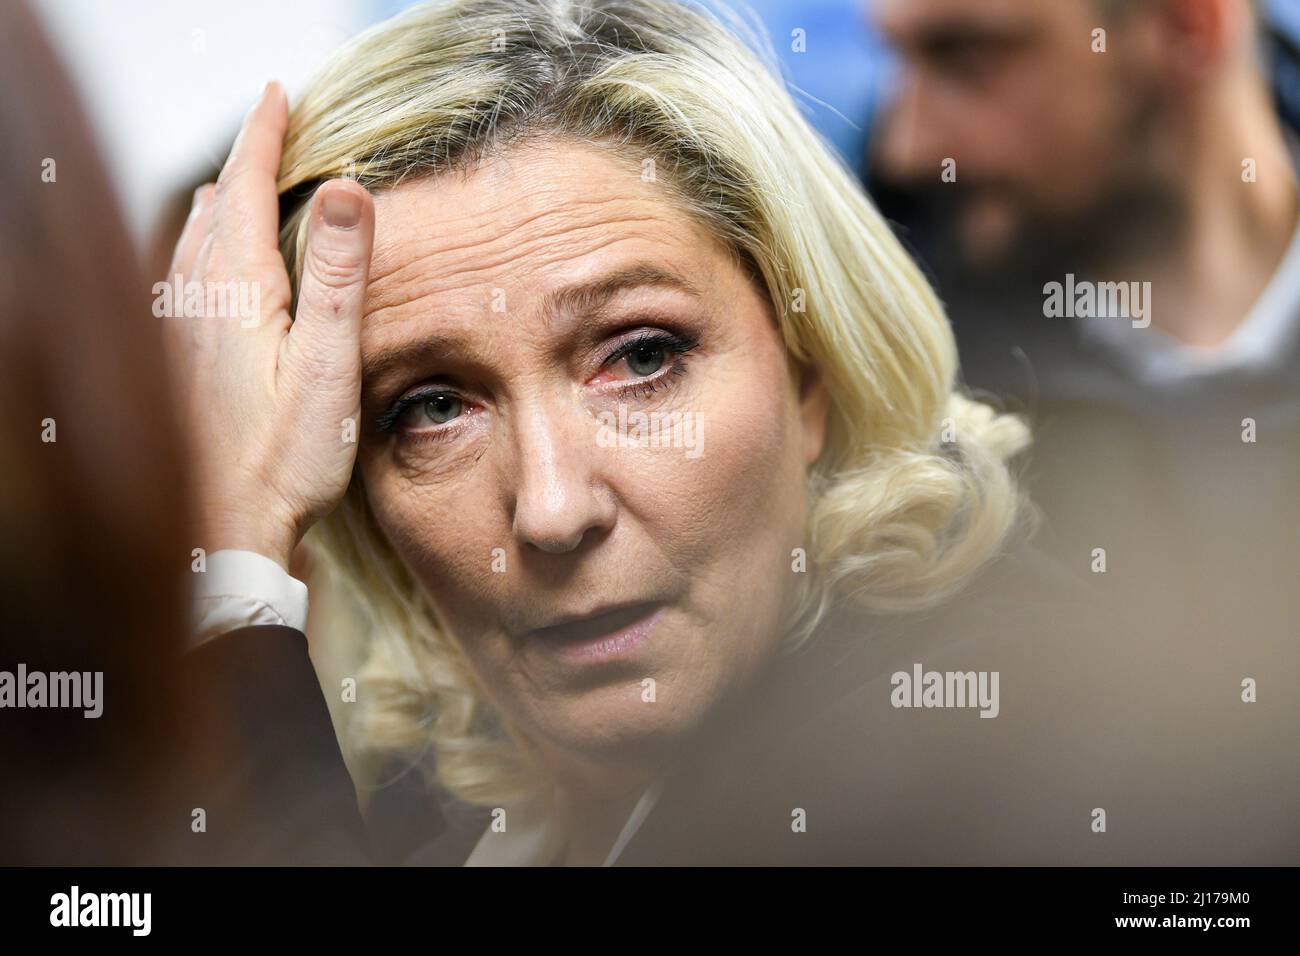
[{"x": 617, "y": 721}]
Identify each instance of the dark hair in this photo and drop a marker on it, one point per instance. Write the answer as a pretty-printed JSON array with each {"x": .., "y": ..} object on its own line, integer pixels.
[{"x": 94, "y": 525}]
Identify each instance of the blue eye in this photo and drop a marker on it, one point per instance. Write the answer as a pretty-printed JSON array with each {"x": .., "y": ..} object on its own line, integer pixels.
[
  {"x": 648, "y": 362},
  {"x": 648, "y": 352},
  {"x": 422, "y": 410},
  {"x": 646, "y": 359},
  {"x": 441, "y": 409},
  {"x": 646, "y": 356}
]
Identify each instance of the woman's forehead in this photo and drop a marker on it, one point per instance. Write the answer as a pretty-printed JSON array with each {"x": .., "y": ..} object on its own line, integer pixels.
[
  {"x": 525, "y": 225},
  {"x": 520, "y": 195}
]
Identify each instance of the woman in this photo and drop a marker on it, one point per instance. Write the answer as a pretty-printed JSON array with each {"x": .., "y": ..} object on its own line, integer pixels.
[{"x": 632, "y": 432}]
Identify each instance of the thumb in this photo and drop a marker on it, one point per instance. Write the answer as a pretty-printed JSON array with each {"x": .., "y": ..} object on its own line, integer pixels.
[{"x": 331, "y": 294}]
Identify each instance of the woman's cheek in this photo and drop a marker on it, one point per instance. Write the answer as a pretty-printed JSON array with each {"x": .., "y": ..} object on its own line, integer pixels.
[
  {"x": 442, "y": 535},
  {"x": 750, "y": 414},
  {"x": 729, "y": 489}
]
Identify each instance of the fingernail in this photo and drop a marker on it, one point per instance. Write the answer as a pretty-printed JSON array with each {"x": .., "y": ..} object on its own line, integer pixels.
[{"x": 341, "y": 208}]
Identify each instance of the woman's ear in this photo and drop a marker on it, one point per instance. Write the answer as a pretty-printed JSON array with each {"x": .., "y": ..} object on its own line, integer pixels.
[{"x": 814, "y": 408}]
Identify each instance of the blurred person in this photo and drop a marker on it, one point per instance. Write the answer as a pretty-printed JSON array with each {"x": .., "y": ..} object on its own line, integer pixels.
[
  {"x": 487, "y": 236},
  {"x": 1117, "y": 162},
  {"x": 1117, "y": 241},
  {"x": 95, "y": 536}
]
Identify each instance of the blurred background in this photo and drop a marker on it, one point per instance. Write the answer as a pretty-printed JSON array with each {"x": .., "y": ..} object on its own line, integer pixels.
[
  {"x": 167, "y": 83},
  {"x": 1013, "y": 145}
]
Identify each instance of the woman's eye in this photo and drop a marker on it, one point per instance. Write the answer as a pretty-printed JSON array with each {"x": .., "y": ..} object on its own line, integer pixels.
[
  {"x": 435, "y": 410},
  {"x": 647, "y": 359},
  {"x": 442, "y": 408},
  {"x": 425, "y": 413}
]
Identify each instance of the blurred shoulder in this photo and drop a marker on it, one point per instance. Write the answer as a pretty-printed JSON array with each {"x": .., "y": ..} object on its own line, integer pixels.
[{"x": 966, "y": 733}]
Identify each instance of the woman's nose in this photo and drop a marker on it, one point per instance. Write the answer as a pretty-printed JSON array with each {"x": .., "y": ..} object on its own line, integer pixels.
[{"x": 559, "y": 496}]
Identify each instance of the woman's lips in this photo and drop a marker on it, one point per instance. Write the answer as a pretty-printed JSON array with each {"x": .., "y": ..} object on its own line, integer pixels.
[{"x": 600, "y": 637}]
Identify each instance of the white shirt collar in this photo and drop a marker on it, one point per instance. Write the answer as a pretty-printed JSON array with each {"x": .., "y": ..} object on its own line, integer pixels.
[{"x": 1261, "y": 340}]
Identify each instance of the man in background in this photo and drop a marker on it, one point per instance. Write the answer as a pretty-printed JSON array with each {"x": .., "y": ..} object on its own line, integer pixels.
[
  {"x": 1107, "y": 196},
  {"x": 1105, "y": 192}
]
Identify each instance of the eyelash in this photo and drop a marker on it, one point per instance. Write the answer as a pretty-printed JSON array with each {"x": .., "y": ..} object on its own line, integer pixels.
[{"x": 675, "y": 344}]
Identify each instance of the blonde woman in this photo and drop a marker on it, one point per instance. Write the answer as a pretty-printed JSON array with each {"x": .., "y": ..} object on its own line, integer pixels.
[{"x": 634, "y": 438}]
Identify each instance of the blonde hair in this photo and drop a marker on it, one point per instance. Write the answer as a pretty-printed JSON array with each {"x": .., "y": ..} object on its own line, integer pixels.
[{"x": 899, "y": 517}]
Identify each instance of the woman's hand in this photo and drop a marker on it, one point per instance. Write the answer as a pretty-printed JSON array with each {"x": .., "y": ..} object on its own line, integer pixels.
[{"x": 272, "y": 403}]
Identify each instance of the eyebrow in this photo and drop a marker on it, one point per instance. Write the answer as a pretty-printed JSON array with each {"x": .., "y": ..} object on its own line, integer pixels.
[
  {"x": 942, "y": 36},
  {"x": 946, "y": 38},
  {"x": 587, "y": 299}
]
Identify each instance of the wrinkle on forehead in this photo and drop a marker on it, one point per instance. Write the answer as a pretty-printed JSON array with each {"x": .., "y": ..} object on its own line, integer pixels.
[
  {"x": 435, "y": 265},
  {"x": 441, "y": 236}
]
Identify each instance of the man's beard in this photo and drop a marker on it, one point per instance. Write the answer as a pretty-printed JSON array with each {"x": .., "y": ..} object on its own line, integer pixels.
[
  {"x": 1141, "y": 208},
  {"x": 1130, "y": 220}
]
